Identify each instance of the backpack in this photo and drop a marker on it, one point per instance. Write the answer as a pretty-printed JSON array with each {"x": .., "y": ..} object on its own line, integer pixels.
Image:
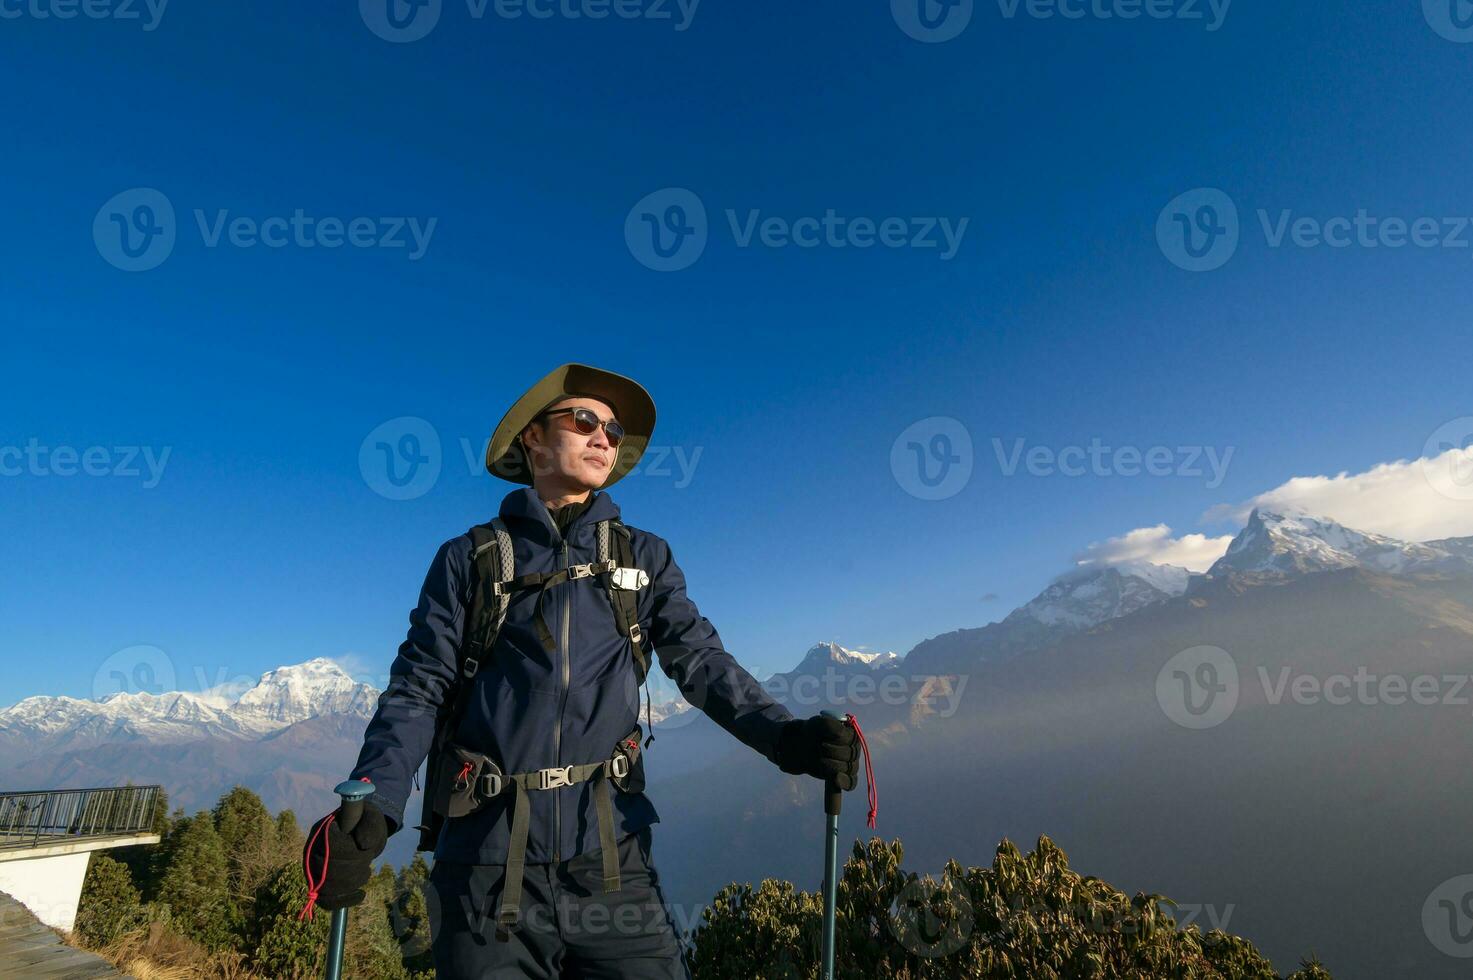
[{"x": 493, "y": 580}]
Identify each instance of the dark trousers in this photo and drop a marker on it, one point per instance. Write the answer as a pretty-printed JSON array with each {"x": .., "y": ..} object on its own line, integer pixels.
[{"x": 569, "y": 928}]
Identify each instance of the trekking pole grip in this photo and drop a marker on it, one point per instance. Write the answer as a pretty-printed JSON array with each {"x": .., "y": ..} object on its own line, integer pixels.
[
  {"x": 352, "y": 793},
  {"x": 833, "y": 797}
]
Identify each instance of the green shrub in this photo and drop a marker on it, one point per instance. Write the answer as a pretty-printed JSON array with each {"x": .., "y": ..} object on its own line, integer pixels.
[
  {"x": 194, "y": 883},
  {"x": 110, "y": 906},
  {"x": 1027, "y": 916}
]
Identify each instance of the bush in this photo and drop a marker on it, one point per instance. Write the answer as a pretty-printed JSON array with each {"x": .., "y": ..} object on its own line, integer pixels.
[
  {"x": 110, "y": 907},
  {"x": 288, "y": 948},
  {"x": 1025, "y": 916},
  {"x": 194, "y": 883}
]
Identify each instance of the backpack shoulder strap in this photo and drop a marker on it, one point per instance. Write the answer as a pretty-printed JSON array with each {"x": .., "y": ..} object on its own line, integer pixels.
[
  {"x": 492, "y": 566},
  {"x": 613, "y": 542}
]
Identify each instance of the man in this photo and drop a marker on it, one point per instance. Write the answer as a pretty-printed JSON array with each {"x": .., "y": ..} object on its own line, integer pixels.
[{"x": 529, "y": 877}]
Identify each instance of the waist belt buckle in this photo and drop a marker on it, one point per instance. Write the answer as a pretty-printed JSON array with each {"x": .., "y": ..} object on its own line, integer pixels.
[
  {"x": 555, "y": 777},
  {"x": 619, "y": 766},
  {"x": 491, "y": 784}
]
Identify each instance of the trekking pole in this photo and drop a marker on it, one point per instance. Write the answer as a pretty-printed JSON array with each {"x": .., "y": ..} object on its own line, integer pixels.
[
  {"x": 832, "y": 798},
  {"x": 352, "y": 792}
]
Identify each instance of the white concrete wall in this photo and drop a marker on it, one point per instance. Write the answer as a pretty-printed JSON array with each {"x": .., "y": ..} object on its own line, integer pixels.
[{"x": 49, "y": 886}]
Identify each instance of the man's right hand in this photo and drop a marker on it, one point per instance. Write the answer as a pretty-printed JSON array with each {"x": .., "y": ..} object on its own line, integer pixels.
[{"x": 349, "y": 857}]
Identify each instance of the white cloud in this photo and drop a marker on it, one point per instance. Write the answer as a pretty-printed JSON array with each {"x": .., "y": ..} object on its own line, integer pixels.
[
  {"x": 365, "y": 670},
  {"x": 1415, "y": 500},
  {"x": 1155, "y": 544}
]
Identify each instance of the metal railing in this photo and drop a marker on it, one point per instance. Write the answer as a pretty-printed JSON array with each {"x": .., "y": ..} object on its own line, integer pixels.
[{"x": 51, "y": 816}]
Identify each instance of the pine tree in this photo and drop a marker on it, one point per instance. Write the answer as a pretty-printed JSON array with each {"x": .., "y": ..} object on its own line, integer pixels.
[
  {"x": 248, "y": 837},
  {"x": 110, "y": 906},
  {"x": 372, "y": 948},
  {"x": 194, "y": 882},
  {"x": 410, "y": 915},
  {"x": 288, "y": 948},
  {"x": 289, "y": 838},
  {"x": 140, "y": 859}
]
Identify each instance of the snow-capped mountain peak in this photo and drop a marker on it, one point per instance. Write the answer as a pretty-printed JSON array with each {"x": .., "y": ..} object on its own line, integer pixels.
[
  {"x": 1287, "y": 542},
  {"x": 287, "y": 695},
  {"x": 1093, "y": 594},
  {"x": 827, "y": 655}
]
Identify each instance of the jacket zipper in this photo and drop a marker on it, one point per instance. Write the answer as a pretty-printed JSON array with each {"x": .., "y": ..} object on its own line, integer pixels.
[{"x": 557, "y": 794}]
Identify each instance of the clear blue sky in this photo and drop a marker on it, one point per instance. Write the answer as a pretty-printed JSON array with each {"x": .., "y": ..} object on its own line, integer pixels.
[{"x": 792, "y": 370}]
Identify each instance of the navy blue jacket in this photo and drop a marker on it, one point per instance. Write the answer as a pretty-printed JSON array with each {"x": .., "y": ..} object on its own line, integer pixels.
[{"x": 531, "y": 709}]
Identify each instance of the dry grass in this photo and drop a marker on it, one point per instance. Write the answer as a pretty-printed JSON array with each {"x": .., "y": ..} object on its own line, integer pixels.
[{"x": 159, "y": 953}]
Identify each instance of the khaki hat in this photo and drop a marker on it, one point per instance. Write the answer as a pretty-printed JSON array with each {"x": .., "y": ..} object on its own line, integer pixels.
[{"x": 632, "y": 405}]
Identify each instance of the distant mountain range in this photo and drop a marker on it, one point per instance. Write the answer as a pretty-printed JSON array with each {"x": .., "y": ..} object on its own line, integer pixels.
[
  {"x": 282, "y": 698},
  {"x": 1305, "y": 818},
  {"x": 1273, "y": 546},
  {"x": 1061, "y": 732}
]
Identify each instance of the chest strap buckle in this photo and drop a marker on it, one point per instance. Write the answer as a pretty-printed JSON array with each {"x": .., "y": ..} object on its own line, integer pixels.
[{"x": 554, "y": 777}]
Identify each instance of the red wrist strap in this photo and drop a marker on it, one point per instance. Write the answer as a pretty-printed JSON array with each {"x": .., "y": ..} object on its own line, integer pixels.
[
  {"x": 314, "y": 885},
  {"x": 869, "y": 771}
]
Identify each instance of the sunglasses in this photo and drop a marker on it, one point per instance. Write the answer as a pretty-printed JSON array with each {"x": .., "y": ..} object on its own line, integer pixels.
[{"x": 586, "y": 422}]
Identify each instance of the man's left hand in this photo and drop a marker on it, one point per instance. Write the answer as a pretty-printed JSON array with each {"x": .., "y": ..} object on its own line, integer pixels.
[{"x": 822, "y": 747}]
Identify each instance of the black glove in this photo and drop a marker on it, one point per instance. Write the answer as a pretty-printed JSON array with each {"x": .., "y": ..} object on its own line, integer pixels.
[
  {"x": 349, "y": 857},
  {"x": 823, "y": 747}
]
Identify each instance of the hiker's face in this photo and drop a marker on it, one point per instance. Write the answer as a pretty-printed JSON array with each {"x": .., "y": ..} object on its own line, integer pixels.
[{"x": 565, "y": 457}]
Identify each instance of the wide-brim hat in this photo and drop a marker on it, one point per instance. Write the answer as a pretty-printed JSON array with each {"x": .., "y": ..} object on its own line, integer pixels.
[{"x": 632, "y": 405}]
